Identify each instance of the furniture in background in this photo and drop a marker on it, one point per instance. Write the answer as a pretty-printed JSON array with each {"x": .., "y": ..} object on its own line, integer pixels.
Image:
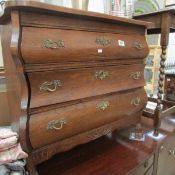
[
  {"x": 163, "y": 22},
  {"x": 72, "y": 76},
  {"x": 169, "y": 87},
  {"x": 110, "y": 154},
  {"x": 167, "y": 157},
  {"x": 118, "y": 155},
  {"x": 166, "y": 154}
]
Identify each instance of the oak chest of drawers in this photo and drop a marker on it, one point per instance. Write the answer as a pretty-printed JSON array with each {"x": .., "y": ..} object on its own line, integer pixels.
[{"x": 72, "y": 76}]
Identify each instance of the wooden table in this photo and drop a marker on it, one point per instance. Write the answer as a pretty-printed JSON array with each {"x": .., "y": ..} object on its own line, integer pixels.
[
  {"x": 163, "y": 22},
  {"x": 113, "y": 154},
  {"x": 167, "y": 150}
]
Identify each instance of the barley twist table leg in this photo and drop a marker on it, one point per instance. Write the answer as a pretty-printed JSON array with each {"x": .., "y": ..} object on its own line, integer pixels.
[{"x": 160, "y": 91}]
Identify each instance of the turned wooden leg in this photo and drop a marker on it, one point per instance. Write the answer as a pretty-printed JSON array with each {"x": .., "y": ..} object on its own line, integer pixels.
[
  {"x": 31, "y": 168},
  {"x": 160, "y": 92}
]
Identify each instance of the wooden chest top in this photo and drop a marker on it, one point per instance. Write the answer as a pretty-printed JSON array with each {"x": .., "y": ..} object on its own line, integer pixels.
[{"x": 38, "y": 7}]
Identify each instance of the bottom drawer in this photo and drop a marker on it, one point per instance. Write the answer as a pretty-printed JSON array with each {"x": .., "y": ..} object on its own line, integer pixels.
[
  {"x": 64, "y": 122},
  {"x": 150, "y": 171},
  {"x": 146, "y": 168}
]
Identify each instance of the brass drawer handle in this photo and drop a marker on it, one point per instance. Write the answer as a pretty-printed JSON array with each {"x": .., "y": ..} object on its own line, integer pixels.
[
  {"x": 103, "y": 105},
  {"x": 136, "y": 101},
  {"x": 101, "y": 75},
  {"x": 138, "y": 45},
  {"x": 135, "y": 75},
  {"x": 56, "y": 124},
  {"x": 50, "y": 86},
  {"x": 171, "y": 152},
  {"x": 48, "y": 43},
  {"x": 146, "y": 164}
]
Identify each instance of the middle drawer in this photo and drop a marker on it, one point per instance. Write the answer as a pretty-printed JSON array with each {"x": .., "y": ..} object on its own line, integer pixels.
[{"x": 60, "y": 86}]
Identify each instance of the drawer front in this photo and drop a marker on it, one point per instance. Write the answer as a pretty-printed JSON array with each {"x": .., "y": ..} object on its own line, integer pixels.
[
  {"x": 41, "y": 45},
  {"x": 60, "y": 86},
  {"x": 145, "y": 169},
  {"x": 64, "y": 122},
  {"x": 167, "y": 151},
  {"x": 150, "y": 171}
]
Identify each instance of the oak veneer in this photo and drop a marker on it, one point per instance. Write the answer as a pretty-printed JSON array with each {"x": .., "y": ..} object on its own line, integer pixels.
[
  {"x": 73, "y": 76},
  {"x": 78, "y": 46},
  {"x": 85, "y": 81},
  {"x": 83, "y": 117}
]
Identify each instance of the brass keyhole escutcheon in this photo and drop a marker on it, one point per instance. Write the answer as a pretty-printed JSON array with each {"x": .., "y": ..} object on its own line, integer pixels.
[
  {"x": 101, "y": 75},
  {"x": 135, "y": 75},
  {"x": 50, "y": 44},
  {"x": 103, "y": 105}
]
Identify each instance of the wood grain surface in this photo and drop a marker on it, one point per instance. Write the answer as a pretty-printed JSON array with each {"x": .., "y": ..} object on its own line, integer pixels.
[{"x": 83, "y": 83}]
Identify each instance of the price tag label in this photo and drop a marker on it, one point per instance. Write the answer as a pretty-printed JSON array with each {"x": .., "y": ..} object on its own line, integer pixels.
[
  {"x": 100, "y": 50},
  {"x": 121, "y": 43}
]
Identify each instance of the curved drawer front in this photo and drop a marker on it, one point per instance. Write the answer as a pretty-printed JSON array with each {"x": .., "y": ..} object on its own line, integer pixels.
[
  {"x": 64, "y": 122},
  {"x": 61, "y": 86},
  {"x": 41, "y": 45}
]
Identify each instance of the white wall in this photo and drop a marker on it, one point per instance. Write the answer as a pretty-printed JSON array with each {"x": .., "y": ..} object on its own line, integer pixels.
[
  {"x": 169, "y": 2},
  {"x": 65, "y": 3},
  {"x": 161, "y": 3},
  {"x": 94, "y": 5},
  {"x": 171, "y": 46}
]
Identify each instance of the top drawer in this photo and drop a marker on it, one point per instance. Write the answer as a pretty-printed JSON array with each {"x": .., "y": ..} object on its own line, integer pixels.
[{"x": 43, "y": 45}]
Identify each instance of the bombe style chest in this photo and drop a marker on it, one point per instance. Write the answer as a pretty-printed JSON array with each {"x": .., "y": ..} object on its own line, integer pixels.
[{"x": 72, "y": 76}]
